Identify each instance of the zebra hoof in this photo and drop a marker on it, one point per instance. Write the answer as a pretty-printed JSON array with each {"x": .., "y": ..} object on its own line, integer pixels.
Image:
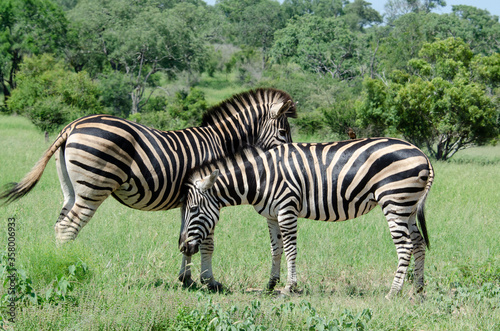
[
  {"x": 213, "y": 285},
  {"x": 418, "y": 297},
  {"x": 272, "y": 284},
  {"x": 289, "y": 291},
  {"x": 187, "y": 282},
  {"x": 216, "y": 287},
  {"x": 391, "y": 295}
]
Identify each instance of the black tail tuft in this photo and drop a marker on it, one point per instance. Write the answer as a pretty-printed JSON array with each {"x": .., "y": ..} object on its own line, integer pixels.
[
  {"x": 421, "y": 223},
  {"x": 14, "y": 191}
]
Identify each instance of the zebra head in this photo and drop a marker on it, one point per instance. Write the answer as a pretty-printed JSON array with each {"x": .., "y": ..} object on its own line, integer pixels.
[
  {"x": 275, "y": 129},
  {"x": 200, "y": 213},
  {"x": 254, "y": 118}
]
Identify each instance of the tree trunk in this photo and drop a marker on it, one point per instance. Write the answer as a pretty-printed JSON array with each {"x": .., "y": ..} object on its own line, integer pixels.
[
  {"x": 5, "y": 89},
  {"x": 439, "y": 152},
  {"x": 135, "y": 102},
  {"x": 16, "y": 59}
]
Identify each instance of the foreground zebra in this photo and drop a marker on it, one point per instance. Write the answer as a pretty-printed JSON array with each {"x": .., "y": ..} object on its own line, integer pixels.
[
  {"x": 330, "y": 182},
  {"x": 144, "y": 168}
]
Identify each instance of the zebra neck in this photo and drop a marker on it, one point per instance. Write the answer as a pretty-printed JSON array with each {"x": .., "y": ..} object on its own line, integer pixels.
[
  {"x": 240, "y": 181},
  {"x": 229, "y": 136},
  {"x": 211, "y": 143}
]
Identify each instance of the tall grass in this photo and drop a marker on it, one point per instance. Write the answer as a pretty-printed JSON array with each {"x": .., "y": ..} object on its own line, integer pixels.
[{"x": 345, "y": 268}]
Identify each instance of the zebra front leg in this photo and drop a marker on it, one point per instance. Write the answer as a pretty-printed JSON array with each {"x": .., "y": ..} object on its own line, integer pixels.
[
  {"x": 206, "y": 251},
  {"x": 401, "y": 238},
  {"x": 185, "y": 273},
  {"x": 288, "y": 227},
  {"x": 276, "y": 252}
]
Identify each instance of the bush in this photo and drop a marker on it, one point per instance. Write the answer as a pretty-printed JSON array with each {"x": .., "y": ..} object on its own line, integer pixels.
[
  {"x": 309, "y": 124},
  {"x": 51, "y": 95},
  {"x": 115, "y": 93},
  {"x": 185, "y": 110}
]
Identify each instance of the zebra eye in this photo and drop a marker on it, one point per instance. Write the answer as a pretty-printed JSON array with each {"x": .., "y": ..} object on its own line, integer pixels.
[
  {"x": 193, "y": 209},
  {"x": 282, "y": 134}
]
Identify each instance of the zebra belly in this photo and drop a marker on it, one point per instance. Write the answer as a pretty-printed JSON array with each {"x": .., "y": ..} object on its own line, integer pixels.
[
  {"x": 333, "y": 211},
  {"x": 133, "y": 196}
]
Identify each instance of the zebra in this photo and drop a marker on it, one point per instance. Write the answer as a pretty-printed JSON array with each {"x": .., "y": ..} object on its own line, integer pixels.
[
  {"x": 144, "y": 168},
  {"x": 320, "y": 181}
]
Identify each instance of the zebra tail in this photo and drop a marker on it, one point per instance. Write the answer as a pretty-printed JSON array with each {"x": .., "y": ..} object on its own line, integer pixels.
[
  {"x": 15, "y": 191},
  {"x": 420, "y": 207}
]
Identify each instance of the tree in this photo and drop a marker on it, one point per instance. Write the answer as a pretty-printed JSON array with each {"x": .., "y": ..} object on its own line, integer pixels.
[
  {"x": 139, "y": 39},
  {"x": 185, "y": 109},
  {"x": 398, "y": 8},
  {"x": 402, "y": 41},
  {"x": 483, "y": 29},
  {"x": 360, "y": 14},
  {"x": 438, "y": 104},
  {"x": 406, "y": 34},
  {"x": 320, "y": 8},
  {"x": 27, "y": 27},
  {"x": 51, "y": 95},
  {"x": 326, "y": 46},
  {"x": 259, "y": 24}
]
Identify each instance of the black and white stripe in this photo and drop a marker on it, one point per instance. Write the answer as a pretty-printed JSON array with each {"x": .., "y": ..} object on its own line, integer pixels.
[
  {"x": 144, "y": 168},
  {"x": 325, "y": 181}
]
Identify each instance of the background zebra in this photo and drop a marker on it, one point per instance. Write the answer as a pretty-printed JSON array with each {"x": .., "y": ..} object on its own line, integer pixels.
[
  {"x": 144, "y": 168},
  {"x": 329, "y": 182}
]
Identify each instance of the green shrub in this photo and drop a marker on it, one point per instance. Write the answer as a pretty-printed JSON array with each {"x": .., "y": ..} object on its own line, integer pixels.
[{"x": 50, "y": 95}]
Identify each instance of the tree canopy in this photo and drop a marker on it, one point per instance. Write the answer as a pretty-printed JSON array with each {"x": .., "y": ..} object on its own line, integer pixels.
[
  {"x": 27, "y": 27},
  {"x": 413, "y": 72},
  {"x": 441, "y": 103}
]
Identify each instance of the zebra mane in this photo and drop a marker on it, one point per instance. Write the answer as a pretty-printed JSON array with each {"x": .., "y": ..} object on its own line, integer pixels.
[{"x": 234, "y": 104}]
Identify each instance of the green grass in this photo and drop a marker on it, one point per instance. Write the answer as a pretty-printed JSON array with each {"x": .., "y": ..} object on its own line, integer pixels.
[
  {"x": 220, "y": 87},
  {"x": 133, "y": 260},
  {"x": 217, "y": 88},
  {"x": 478, "y": 155}
]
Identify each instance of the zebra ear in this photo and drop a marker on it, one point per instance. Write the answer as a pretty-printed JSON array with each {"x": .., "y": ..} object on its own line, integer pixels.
[
  {"x": 280, "y": 108},
  {"x": 208, "y": 182}
]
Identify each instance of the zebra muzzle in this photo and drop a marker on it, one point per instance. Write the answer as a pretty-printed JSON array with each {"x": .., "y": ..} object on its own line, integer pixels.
[{"x": 189, "y": 246}]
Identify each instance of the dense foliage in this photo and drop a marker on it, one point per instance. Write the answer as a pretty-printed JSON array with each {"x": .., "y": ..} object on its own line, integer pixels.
[
  {"x": 442, "y": 102},
  {"x": 51, "y": 95},
  {"x": 430, "y": 78}
]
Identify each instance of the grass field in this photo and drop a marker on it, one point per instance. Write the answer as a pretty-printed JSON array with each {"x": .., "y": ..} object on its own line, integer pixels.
[{"x": 121, "y": 271}]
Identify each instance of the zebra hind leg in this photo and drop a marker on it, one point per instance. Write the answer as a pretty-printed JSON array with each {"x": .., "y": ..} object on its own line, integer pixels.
[
  {"x": 69, "y": 225},
  {"x": 276, "y": 252},
  {"x": 418, "y": 254},
  {"x": 401, "y": 237},
  {"x": 82, "y": 197},
  {"x": 66, "y": 186}
]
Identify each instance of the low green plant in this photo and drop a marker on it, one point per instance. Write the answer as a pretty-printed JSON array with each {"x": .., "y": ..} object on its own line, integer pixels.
[
  {"x": 24, "y": 293},
  {"x": 214, "y": 317}
]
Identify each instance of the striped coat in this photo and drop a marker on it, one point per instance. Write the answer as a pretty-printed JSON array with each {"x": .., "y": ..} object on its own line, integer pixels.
[
  {"x": 144, "y": 168},
  {"x": 328, "y": 182}
]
